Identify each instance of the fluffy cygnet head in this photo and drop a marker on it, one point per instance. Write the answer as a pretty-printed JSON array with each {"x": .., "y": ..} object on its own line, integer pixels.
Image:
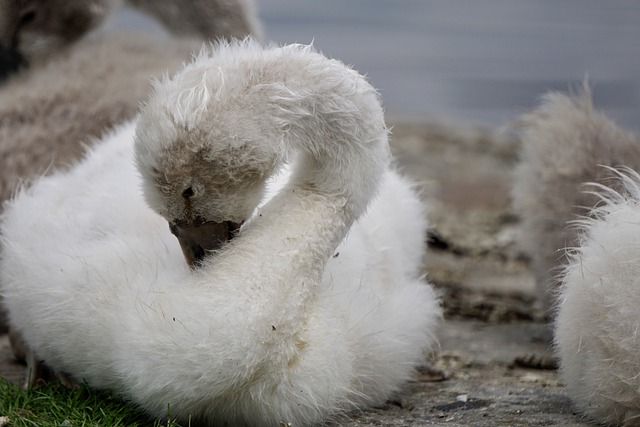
[
  {"x": 205, "y": 146},
  {"x": 31, "y": 30}
]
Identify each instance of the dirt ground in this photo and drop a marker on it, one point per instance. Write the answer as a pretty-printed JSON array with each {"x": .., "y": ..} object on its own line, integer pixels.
[{"x": 494, "y": 366}]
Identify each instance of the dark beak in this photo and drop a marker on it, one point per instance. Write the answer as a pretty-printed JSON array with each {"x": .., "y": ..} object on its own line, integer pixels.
[
  {"x": 10, "y": 62},
  {"x": 198, "y": 238}
]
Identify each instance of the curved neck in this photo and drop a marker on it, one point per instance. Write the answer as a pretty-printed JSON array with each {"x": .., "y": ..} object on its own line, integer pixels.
[{"x": 330, "y": 120}]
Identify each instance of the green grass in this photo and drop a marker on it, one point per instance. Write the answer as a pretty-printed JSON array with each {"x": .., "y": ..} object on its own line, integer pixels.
[{"x": 55, "y": 405}]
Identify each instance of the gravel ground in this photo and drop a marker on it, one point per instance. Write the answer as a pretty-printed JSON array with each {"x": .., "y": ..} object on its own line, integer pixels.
[{"x": 494, "y": 365}]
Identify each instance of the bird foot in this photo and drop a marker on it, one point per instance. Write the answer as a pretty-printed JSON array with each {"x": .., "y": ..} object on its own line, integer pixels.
[{"x": 38, "y": 373}]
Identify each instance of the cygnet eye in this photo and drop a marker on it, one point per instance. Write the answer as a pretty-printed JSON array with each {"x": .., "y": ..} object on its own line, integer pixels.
[
  {"x": 187, "y": 193},
  {"x": 27, "y": 17}
]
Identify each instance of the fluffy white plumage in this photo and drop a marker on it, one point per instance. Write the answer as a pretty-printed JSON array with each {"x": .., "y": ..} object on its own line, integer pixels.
[
  {"x": 597, "y": 323},
  {"x": 314, "y": 308}
]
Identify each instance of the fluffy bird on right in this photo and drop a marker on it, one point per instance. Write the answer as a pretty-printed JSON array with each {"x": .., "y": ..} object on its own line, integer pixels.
[
  {"x": 578, "y": 194},
  {"x": 596, "y": 329},
  {"x": 565, "y": 144}
]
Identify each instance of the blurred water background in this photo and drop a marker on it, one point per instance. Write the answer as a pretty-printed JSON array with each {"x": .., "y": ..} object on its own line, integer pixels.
[{"x": 480, "y": 61}]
